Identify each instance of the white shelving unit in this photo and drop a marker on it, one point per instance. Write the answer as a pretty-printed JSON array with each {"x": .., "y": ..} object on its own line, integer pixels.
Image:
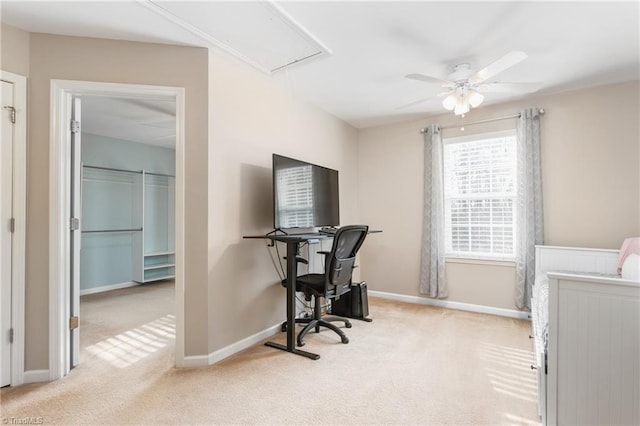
[
  {"x": 159, "y": 266},
  {"x": 154, "y": 255}
]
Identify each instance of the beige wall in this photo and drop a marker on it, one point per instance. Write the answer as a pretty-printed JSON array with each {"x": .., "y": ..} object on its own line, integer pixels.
[
  {"x": 74, "y": 58},
  {"x": 14, "y": 45},
  {"x": 591, "y": 188},
  {"x": 254, "y": 116},
  {"x": 231, "y": 288}
]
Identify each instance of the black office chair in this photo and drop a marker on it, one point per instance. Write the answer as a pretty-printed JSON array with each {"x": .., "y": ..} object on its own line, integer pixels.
[{"x": 334, "y": 282}]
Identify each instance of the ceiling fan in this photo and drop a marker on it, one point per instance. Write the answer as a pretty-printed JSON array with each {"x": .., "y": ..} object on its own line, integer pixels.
[{"x": 465, "y": 88}]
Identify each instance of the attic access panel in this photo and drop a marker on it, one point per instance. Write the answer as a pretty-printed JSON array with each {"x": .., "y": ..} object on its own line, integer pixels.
[{"x": 259, "y": 33}]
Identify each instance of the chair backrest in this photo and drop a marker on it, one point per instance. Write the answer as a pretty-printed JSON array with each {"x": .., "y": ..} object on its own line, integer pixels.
[{"x": 341, "y": 260}]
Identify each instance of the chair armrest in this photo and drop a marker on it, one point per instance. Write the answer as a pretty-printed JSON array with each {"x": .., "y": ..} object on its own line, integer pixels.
[{"x": 323, "y": 252}]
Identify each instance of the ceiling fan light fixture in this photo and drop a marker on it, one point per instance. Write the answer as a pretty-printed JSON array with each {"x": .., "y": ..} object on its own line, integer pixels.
[
  {"x": 475, "y": 98},
  {"x": 449, "y": 103},
  {"x": 462, "y": 107}
]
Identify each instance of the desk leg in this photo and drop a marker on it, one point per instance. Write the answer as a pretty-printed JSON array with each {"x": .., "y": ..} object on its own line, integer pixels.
[{"x": 292, "y": 272}]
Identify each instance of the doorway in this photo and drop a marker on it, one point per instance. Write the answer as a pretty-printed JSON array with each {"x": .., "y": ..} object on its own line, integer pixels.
[
  {"x": 115, "y": 195},
  {"x": 126, "y": 222},
  {"x": 12, "y": 230}
]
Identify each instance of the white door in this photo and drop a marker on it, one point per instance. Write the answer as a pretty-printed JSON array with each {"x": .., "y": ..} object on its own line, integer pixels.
[
  {"x": 6, "y": 213},
  {"x": 76, "y": 229}
]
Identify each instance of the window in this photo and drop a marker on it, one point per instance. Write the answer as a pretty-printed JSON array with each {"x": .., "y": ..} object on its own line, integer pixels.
[{"x": 480, "y": 195}]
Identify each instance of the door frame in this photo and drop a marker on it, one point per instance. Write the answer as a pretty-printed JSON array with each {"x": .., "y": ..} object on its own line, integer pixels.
[
  {"x": 18, "y": 248},
  {"x": 62, "y": 92}
]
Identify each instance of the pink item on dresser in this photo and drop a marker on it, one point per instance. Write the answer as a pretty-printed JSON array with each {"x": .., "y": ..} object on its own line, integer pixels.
[{"x": 629, "y": 246}]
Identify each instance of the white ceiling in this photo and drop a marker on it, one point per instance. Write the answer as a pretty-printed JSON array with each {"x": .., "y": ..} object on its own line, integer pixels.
[
  {"x": 375, "y": 44},
  {"x": 152, "y": 122}
]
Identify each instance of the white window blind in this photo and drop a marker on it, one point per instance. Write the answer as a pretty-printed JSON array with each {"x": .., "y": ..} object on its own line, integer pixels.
[
  {"x": 480, "y": 195},
  {"x": 295, "y": 202}
]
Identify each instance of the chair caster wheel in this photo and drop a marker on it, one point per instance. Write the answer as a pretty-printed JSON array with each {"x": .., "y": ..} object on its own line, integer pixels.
[
  {"x": 300, "y": 344},
  {"x": 345, "y": 340},
  {"x": 348, "y": 324},
  {"x": 283, "y": 327}
]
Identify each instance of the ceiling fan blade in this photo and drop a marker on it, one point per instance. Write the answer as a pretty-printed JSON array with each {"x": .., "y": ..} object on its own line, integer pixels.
[
  {"x": 507, "y": 61},
  {"x": 509, "y": 87},
  {"x": 429, "y": 79}
]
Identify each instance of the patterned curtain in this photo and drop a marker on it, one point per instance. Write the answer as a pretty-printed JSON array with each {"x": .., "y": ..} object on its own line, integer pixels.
[
  {"x": 529, "y": 224},
  {"x": 432, "y": 268}
]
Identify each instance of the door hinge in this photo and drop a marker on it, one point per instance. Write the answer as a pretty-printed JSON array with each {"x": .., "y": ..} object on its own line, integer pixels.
[
  {"x": 74, "y": 224},
  {"x": 13, "y": 113},
  {"x": 73, "y": 323},
  {"x": 75, "y": 126},
  {"x": 11, "y": 335},
  {"x": 12, "y": 225}
]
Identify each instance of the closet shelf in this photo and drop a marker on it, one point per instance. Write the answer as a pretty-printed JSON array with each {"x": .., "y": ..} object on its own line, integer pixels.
[
  {"x": 159, "y": 253},
  {"x": 93, "y": 231},
  {"x": 165, "y": 265},
  {"x": 162, "y": 277},
  {"x": 111, "y": 169}
]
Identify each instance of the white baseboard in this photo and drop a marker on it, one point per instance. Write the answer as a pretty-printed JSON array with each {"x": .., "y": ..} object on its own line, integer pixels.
[
  {"x": 227, "y": 351},
  {"x": 219, "y": 355},
  {"x": 107, "y": 288},
  {"x": 511, "y": 313},
  {"x": 35, "y": 376},
  {"x": 238, "y": 346},
  {"x": 195, "y": 361}
]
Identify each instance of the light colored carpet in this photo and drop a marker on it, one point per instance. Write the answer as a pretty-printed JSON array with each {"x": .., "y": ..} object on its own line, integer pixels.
[{"x": 412, "y": 365}]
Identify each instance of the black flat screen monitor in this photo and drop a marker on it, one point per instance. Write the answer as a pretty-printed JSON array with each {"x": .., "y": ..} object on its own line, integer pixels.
[{"x": 305, "y": 195}]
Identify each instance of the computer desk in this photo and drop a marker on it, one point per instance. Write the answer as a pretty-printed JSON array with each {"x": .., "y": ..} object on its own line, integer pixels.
[{"x": 293, "y": 244}]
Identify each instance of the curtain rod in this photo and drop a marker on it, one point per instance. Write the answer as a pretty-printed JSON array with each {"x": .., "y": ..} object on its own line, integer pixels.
[{"x": 506, "y": 117}]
